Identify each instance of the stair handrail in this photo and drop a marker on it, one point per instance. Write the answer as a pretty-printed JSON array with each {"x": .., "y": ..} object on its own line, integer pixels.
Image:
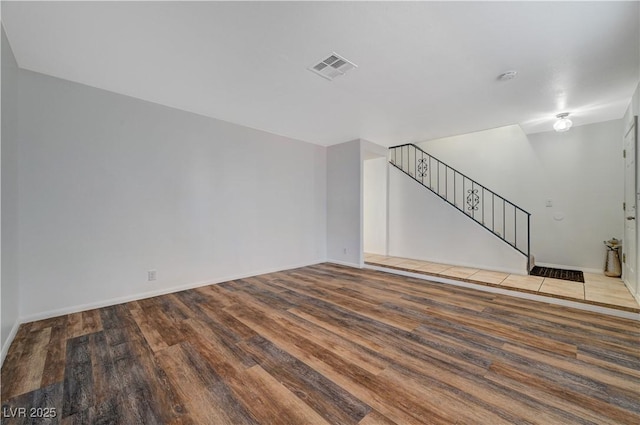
[{"x": 474, "y": 182}]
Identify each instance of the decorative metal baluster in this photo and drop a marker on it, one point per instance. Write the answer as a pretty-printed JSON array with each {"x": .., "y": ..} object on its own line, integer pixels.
[
  {"x": 504, "y": 217},
  {"x": 483, "y": 205},
  {"x": 464, "y": 194},
  {"x": 438, "y": 177},
  {"x": 446, "y": 181},
  {"x": 455, "y": 198},
  {"x": 515, "y": 227},
  {"x": 493, "y": 212},
  {"x": 408, "y": 155},
  {"x": 471, "y": 199},
  {"x": 423, "y": 168}
]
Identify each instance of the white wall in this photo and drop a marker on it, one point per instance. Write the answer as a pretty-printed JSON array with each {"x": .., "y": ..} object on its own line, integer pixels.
[
  {"x": 344, "y": 206},
  {"x": 10, "y": 279},
  {"x": 423, "y": 226},
  {"x": 375, "y": 205},
  {"x": 579, "y": 171},
  {"x": 635, "y": 101},
  {"x": 586, "y": 175},
  {"x": 112, "y": 187}
]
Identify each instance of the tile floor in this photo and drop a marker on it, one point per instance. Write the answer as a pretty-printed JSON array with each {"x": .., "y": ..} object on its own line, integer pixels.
[{"x": 597, "y": 289}]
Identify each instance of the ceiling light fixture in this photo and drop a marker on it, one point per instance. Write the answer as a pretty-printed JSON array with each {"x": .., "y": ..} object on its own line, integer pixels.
[{"x": 563, "y": 124}]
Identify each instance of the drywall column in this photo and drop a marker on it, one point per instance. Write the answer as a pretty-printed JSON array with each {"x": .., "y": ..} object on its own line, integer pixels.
[
  {"x": 344, "y": 207},
  {"x": 375, "y": 205},
  {"x": 9, "y": 213}
]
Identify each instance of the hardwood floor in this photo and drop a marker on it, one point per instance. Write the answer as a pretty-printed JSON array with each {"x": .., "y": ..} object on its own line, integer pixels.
[{"x": 326, "y": 344}]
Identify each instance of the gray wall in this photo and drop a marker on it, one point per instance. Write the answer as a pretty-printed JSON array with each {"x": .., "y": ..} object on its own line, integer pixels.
[
  {"x": 374, "y": 205},
  {"x": 584, "y": 172},
  {"x": 423, "y": 226},
  {"x": 344, "y": 206},
  {"x": 10, "y": 289},
  {"x": 112, "y": 187}
]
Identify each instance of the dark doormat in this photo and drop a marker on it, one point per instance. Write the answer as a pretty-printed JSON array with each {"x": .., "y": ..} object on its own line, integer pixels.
[{"x": 572, "y": 275}]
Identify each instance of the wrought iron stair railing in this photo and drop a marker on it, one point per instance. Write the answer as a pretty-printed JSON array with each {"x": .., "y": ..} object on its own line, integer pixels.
[{"x": 500, "y": 217}]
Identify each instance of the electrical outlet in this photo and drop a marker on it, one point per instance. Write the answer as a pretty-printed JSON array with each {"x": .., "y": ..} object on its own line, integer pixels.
[{"x": 151, "y": 275}]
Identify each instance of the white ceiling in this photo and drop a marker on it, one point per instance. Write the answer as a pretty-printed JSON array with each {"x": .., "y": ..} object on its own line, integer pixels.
[{"x": 425, "y": 69}]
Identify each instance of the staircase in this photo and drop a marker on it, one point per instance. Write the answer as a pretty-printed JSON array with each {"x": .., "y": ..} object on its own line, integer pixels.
[{"x": 502, "y": 218}]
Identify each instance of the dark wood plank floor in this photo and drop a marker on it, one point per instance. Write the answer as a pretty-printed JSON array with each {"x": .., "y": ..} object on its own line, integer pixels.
[{"x": 326, "y": 345}]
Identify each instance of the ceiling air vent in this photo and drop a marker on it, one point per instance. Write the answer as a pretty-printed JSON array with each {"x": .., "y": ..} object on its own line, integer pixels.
[{"x": 333, "y": 66}]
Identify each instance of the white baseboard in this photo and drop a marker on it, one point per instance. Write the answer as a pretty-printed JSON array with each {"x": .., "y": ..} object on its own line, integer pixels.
[
  {"x": 564, "y": 267},
  {"x": 143, "y": 295},
  {"x": 517, "y": 294},
  {"x": 10, "y": 338},
  {"x": 630, "y": 289},
  {"x": 344, "y": 263}
]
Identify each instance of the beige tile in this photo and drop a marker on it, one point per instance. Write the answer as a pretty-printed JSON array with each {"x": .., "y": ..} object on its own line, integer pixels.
[
  {"x": 601, "y": 278},
  {"x": 434, "y": 267},
  {"x": 563, "y": 288},
  {"x": 411, "y": 264},
  {"x": 489, "y": 276},
  {"x": 615, "y": 291},
  {"x": 614, "y": 300},
  {"x": 459, "y": 272},
  {"x": 597, "y": 287},
  {"x": 607, "y": 286},
  {"x": 392, "y": 261},
  {"x": 611, "y": 294},
  {"x": 414, "y": 265},
  {"x": 373, "y": 257},
  {"x": 531, "y": 283}
]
